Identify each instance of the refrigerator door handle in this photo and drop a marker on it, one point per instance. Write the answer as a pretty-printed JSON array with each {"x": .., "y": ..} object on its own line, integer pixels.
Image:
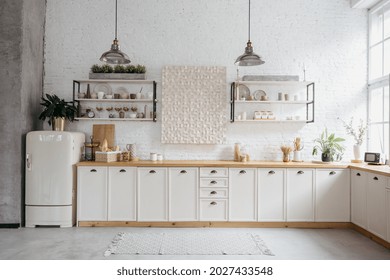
[{"x": 28, "y": 162}]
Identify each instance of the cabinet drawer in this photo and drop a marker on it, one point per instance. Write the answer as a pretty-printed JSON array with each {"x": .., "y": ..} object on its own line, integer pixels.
[
  {"x": 213, "y": 172},
  {"x": 213, "y": 209},
  {"x": 214, "y": 182},
  {"x": 214, "y": 192}
]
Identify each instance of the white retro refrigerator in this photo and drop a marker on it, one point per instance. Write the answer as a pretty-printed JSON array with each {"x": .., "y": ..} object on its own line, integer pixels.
[{"x": 51, "y": 177}]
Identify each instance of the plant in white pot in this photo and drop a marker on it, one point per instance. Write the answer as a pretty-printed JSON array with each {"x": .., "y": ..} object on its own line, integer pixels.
[
  {"x": 330, "y": 147},
  {"x": 358, "y": 135},
  {"x": 57, "y": 110}
]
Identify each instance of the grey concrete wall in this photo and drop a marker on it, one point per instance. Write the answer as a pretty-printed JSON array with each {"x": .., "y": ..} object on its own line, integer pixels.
[{"x": 21, "y": 72}]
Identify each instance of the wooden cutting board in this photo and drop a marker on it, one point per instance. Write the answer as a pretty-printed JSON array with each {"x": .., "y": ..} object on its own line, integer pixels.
[{"x": 104, "y": 131}]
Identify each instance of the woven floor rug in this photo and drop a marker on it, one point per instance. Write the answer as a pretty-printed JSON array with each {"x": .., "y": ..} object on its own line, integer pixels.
[{"x": 188, "y": 243}]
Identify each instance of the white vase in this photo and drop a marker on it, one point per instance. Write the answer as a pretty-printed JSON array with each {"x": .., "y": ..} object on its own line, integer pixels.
[
  {"x": 297, "y": 156},
  {"x": 356, "y": 152}
]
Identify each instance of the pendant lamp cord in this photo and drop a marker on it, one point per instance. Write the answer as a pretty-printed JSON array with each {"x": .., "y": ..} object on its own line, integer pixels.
[
  {"x": 116, "y": 18},
  {"x": 249, "y": 21}
]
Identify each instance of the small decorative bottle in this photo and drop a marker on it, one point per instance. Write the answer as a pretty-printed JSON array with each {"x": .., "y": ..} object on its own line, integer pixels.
[
  {"x": 237, "y": 152},
  {"x": 88, "y": 94}
]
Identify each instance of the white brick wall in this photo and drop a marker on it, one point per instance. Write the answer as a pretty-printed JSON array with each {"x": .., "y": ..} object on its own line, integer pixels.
[{"x": 328, "y": 37}]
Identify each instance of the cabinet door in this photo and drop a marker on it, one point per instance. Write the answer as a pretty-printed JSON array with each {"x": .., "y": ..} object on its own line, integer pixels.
[
  {"x": 242, "y": 194},
  {"x": 213, "y": 209},
  {"x": 91, "y": 193},
  {"x": 376, "y": 205},
  {"x": 388, "y": 213},
  {"x": 359, "y": 198},
  {"x": 332, "y": 195},
  {"x": 152, "y": 189},
  {"x": 122, "y": 193},
  {"x": 300, "y": 194},
  {"x": 271, "y": 199},
  {"x": 183, "y": 194}
]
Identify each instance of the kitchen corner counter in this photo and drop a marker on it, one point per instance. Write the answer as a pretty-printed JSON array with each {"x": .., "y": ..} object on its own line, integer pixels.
[
  {"x": 378, "y": 169},
  {"x": 216, "y": 163}
]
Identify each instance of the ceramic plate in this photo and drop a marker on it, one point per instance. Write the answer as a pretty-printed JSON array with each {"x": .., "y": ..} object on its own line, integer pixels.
[
  {"x": 102, "y": 87},
  {"x": 121, "y": 90},
  {"x": 258, "y": 94},
  {"x": 243, "y": 92}
]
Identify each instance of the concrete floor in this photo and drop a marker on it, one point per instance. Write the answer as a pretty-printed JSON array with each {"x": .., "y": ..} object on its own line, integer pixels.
[{"x": 90, "y": 244}]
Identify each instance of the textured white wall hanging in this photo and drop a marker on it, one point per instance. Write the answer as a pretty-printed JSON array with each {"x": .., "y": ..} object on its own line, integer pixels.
[{"x": 194, "y": 105}]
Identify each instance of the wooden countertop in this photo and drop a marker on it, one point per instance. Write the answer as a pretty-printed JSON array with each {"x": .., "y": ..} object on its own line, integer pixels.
[{"x": 378, "y": 169}]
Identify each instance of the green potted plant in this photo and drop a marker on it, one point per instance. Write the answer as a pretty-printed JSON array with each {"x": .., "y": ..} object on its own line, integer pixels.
[
  {"x": 57, "y": 110},
  {"x": 122, "y": 72},
  {"x": 330, "y": 147}
]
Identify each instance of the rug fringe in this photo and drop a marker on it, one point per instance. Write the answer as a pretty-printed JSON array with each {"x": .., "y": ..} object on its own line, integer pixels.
[
  {"x": 114, "y": 243},
  {"x": 261, "y": 244}
]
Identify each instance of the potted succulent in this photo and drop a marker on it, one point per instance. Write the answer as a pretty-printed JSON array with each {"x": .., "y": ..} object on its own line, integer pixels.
[
  {"x": 330, "y": 147},
  {"x": 57, "y": 110},
  {"x": 122, "y": 72}
]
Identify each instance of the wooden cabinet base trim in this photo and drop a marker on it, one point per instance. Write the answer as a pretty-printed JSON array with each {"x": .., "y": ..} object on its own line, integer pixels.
[
  {"x": 373, "y": 237},
  {"x": 315, "y": 225}
]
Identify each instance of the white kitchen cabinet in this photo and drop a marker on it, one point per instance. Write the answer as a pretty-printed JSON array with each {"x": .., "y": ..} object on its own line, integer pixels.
[
  {"x": 299, "y": 191},
  {"x": 376, "y": 205},
  {"x": 214, "y": 172},
  {"x": 388, "y": 212},
  {"x": 92, "y": 193},
  {"x": 213, "y": 209},
  {"x": 242, "y": 194},
  {"x": 121, "y": 200},
  {"x": 214, "y": 193},
  {"x": 332, "y": 192},
  {"x": 271, "y": 194},
  {"x": 359, "y": 198},
  {"x": 183, "y": 194},
  {"x": 152, "y": 193}
]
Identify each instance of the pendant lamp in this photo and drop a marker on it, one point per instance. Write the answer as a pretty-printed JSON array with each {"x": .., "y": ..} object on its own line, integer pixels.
[
  {"x": 249, "y": 58},
  {"x": 114, "y": 55}
]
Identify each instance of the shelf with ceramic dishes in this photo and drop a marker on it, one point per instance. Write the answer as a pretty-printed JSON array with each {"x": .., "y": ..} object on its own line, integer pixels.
[
  {"x": 127, "y": 91},
  {"x": 114, "y": 119},
  {"x": 104, "y": 100},
  {"x": 271, "y": 121},
  {"x": 285, "y": 94}
]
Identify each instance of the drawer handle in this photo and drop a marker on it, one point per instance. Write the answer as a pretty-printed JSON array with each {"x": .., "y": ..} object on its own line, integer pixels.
[
  {"x": 122, "y": 171},
  {"x": 213, "y": 203},
  {"x": 358, "y": 174},
  {"x": 152, "y": 171},
  {"x": 183, "y": 172},
  {"x": 300, "y": 172},
  {"x": 271, "y": 172},
  {"x": 376, "y": 178},
  {"x": 332, "y": 173},
  {"x": 213, "y": 182},
  {"x": 213, "y": 172},
  {"x": 213, "y": 192},
  {"x": 242, "y": 172},
  {"x": 93, "y": 170}
]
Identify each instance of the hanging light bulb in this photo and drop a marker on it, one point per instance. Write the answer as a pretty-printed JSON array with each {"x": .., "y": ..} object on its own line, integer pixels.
[
  {"x": 249, "y": 58},
  {"x": 114, "y": 55}
]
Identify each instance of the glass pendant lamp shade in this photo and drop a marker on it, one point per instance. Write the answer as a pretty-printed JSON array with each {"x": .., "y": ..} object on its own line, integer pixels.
[
  {"x": 249, "y": 58},
  {"x": 115, "y": 55}
]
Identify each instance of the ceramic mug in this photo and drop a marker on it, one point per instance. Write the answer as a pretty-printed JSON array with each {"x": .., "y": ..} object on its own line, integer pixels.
[{"x": 100, "y": 95}]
